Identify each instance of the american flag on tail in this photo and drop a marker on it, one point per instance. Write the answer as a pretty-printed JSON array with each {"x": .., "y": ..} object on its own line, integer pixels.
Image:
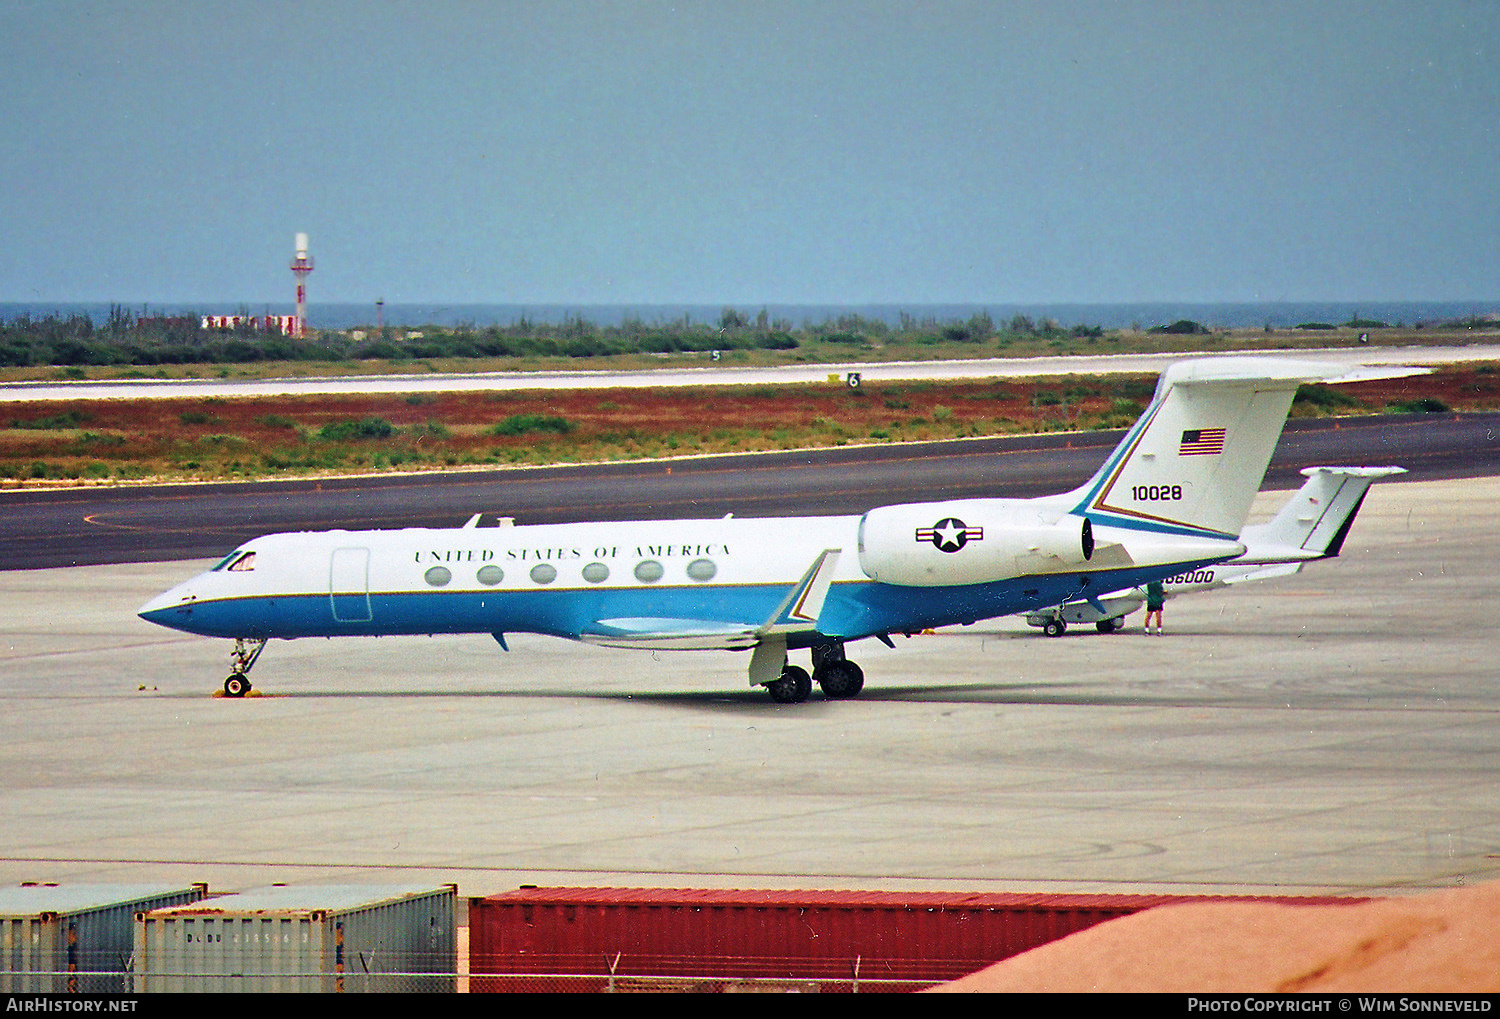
[{"x": 1202, "y": 442}]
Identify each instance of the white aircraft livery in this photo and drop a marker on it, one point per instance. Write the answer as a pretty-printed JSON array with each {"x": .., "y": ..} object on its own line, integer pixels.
[
  {"x": 1310, "y": 526},
  {"x": 1171, "y": 499}
]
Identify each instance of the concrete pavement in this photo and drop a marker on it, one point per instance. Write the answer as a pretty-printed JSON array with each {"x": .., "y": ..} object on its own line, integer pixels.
[{"x": 1335, "y": 731}]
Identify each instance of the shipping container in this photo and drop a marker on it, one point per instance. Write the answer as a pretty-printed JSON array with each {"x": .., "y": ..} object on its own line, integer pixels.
[
  {"x": 75, "y": 939},
  {"x": 329, "y": 938},
  {"x": 725, "y": 940}
]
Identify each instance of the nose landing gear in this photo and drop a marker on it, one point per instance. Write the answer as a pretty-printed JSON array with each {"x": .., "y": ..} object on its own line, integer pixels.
[{"x": 246, "y": 651}]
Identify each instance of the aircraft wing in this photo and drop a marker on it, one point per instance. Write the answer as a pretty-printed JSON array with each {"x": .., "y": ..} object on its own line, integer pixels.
[
  {"x": 796, "y": 612},
  {"x": 671, "y": 634},
  {"x": 1268, "y": 572}
]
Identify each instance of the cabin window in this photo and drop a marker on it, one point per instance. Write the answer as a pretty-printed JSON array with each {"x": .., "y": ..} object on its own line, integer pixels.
[
  {"x": 702, "y": 570},
  {"x": 649, "y": 572},
  {"x": 490, "y": 575},
  {"x": 544, "y": 573},
  {"x": 596, "y": 573},
  {"x": 438, "y": 576}
]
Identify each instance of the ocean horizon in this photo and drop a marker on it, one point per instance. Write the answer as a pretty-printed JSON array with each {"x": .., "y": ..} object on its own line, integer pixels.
[{"x": 1145, "y": 315}]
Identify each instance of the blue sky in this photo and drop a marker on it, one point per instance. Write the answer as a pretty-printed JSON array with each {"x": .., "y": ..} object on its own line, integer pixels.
[{"x": 750, "y": 152}]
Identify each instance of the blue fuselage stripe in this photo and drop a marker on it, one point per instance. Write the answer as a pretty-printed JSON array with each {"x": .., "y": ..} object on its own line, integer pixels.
[{"x": 852, "y": 610}]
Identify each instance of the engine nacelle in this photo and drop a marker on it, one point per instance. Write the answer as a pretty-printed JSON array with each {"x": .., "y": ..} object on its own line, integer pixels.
[{"x": 969, "y": 541}]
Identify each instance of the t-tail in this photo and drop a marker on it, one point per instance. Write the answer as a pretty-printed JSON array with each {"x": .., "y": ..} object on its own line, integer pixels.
[
  {"x": 1315, "y": 521},
  {"x": 1194, "y": 461}
]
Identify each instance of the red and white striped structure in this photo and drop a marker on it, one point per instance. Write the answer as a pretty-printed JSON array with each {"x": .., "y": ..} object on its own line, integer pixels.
[{"x": 302, "y": 264}]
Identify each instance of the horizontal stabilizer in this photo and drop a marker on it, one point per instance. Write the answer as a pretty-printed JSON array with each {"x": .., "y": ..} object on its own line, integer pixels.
[
  {"x": 1194, "y": 461},
  {"x": 1269, "y": 371}
]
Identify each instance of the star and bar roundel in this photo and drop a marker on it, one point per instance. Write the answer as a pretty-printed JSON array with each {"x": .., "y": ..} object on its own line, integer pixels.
[{"x": 950, "y": 534}]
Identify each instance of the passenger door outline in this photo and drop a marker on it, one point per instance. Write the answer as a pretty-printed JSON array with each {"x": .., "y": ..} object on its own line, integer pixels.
[{"x": 349, "y": 585}]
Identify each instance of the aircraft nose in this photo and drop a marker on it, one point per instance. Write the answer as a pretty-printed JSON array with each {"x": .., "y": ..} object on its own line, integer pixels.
[{"x": 170, "y": 608}]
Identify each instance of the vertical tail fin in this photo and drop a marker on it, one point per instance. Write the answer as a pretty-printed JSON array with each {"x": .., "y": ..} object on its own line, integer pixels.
[
  {"x": 1316, "y": 519},
  {"x": 1194, "y": 461}
]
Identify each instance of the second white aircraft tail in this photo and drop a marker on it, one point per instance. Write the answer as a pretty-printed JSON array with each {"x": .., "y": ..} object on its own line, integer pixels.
[
  {"x": 1194, "y": 461},
  {"x": 1315, "y": 520}
]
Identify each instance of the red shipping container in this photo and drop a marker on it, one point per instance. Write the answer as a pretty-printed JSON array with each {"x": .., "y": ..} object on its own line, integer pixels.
[{"x": 828, "y": 937}]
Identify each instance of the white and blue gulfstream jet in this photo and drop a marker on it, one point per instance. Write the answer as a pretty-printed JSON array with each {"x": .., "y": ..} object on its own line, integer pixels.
[{"x": 1171, "y": 498}]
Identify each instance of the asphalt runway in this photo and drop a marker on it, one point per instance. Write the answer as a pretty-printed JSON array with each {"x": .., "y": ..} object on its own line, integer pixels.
[
  {"x": 1331, "y": 732},
  {"x": 83, "y": 526}
]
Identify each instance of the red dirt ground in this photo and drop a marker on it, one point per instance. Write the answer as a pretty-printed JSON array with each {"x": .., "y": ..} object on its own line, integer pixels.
[
  {"x": 161, "y": 436},
  {"x": 1438, "y": 942}
]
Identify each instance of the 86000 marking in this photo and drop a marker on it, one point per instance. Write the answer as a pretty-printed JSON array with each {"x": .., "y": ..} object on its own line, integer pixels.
[
  {"x": 1196, "y": 577},
  {"x": 1156, "y": 493}
]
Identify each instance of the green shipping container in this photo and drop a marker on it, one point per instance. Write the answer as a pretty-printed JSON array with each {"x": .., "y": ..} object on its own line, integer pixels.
[
  {"x": 328, "y": 938},
  {"x": 75, "y": 939}
]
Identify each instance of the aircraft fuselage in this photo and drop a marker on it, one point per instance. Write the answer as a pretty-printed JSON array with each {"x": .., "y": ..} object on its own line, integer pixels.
[{"x": 602, "y": 582}]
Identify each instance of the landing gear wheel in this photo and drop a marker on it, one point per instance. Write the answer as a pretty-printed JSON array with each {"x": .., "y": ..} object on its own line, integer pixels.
[
  {"x": 1107, "y": 625},
  {"x": 794, "y": 686},
  {"x": 1055, "y": 628},
  {"x": 241, "y": 660},
  {"x": 840, "y": 680}
]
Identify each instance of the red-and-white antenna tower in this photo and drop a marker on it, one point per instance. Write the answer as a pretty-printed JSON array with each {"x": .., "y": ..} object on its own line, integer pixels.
[{"x": 302, "y": 264}]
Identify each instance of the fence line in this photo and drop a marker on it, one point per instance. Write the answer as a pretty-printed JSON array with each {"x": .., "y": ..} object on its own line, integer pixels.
[{"x": 126, "y": 982}]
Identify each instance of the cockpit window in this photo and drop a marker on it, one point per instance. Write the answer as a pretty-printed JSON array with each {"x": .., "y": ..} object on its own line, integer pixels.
[{"x": 238, "y": 561}]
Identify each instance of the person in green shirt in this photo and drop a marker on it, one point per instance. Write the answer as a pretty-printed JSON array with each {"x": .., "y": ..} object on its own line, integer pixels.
[{"x": 1156, "y": 600}]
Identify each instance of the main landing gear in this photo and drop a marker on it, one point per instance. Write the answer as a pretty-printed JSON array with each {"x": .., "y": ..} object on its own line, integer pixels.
[
  {"x": 838, "y": 677},
  {"x": 1056, "y": 626},
  {"x": 245, "y": 652},
  {"x": 794, "y": 686}
]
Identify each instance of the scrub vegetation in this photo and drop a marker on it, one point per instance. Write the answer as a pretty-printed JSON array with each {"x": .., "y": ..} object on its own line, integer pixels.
[
  {"x": 127, "y": 345},
  {"x": 112, "y": 441}
]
